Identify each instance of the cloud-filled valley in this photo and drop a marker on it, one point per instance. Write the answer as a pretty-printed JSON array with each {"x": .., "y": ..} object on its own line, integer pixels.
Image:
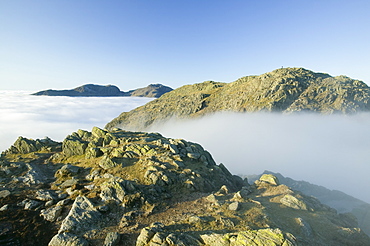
[
  {"x": 332, "y": 151},
  {"x": 328, "y": 150}
]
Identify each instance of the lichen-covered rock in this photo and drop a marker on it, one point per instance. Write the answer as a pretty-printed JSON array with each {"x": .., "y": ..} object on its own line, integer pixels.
[
  {"x": 263, "y": 237},
  {"x": 67, "y": 239},
  {"x": 83, "y": 216},
  {"x": 73, "y": 145},
  {"x": 112, "y": 239},
  {"x": 234, "y": 206},
  {"x": 215, "y": 239},
  {"x": 293, "y": 202},
  {"x": 23, "y": 145},
  {"x": 116, "y": 189},
  {"x": 67, "y": 170},
  {"x": 45, "y": 195},
  {"x": 269, "y": 178},
  {"x": 51, "y": 214},
  {"x": 106, "y": 163}
]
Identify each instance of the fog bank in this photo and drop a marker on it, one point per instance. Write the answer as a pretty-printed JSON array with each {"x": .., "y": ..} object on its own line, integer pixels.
[
  {"x": 56, "y": 117},
  {"x": 332, "y": 151}
]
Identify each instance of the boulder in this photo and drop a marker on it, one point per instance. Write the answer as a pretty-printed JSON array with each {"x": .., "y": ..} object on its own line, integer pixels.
[
  {"x": 67, "y": 170},
  {"x": 83, "y": 216},
  {"x": 293, "y": 202},
  {"x": 67, "y": 239},
  {"x": 51, "y": 214},
  {"x": 263, "y": 237},
  {"x": 107, "y": 163},
  {"x": 112, "y": 239},
  {"x": 116, "y": 189},
  {"x": 234, "y": 206},
  {"x": 73, "y": 145},
  {"x": 45, "y": 195},
  {"x": 270, "y": 179},
  {"x": 215, "y": 239},
  {"x": 4, "y": 193}
]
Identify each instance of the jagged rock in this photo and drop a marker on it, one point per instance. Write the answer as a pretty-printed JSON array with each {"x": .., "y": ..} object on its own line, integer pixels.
[
  {"x": 83, "y": 216},
  {"x": 5, "y": 207},
  {"x": 145, "y": 236},
  {"x": 45, "y": 195},
  {"x": 63, "y": 202},
  {"x": 215, "y": 239},
  {"x": 263, "y": 237},
  {"x": 69, "y": 183},
  {"x": 116, "y": 189},
  {"x": 67, "y": 170},
  {"x": 52, "y": 214},
  {"x": 93, "y": 153},
  {"x": 269, "y": 178},
  {"x": 107, "y": 163},
  {"x": 182, "y": 240},
  {"x": 112, "y": 239},
  {"x": 4, "y": 193},
  {"x": 223, "y": 190},
  {"x": 23, "y": 145},
  {"x": 98, "y": 133},
  {"x": 212, "y": 198},
  {"x": 31, "y": 204},
  {"x": 293, "y": 202},
  {"x": 34, "y": 175},
  {"x": 67, "y": 239},
  {"x": 73, "y": 145},
  {"x": 234, "y": 206}
]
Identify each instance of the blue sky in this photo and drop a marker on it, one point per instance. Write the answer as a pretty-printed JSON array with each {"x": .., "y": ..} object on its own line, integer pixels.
[{"x": 63, "y": 44}]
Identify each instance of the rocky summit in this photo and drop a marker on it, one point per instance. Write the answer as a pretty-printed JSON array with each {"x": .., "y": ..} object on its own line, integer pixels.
[
  {"x": 119, "y": 187},
  {"x": 284, "y": 90},
  {"x": 91, "y": 90}
]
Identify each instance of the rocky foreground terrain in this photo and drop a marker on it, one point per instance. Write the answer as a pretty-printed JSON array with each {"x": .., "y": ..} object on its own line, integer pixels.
[
  {"x": 132, "y": 188},
  {"x": 336, "y": 199},
  {"x": 284, "y": 90},
  {"x": 90, "y": 90}
]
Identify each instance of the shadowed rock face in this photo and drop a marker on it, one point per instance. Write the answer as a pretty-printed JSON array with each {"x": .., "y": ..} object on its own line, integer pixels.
[
  {"x": 90, "y": 90},
  {"x": 284, "y": 90},
  {"x": 135, "y": 188}
]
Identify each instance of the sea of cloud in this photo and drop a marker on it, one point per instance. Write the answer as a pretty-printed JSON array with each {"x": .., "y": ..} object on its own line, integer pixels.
[
  {"x": 22, "y": 114},
  {"x": 333, "y": 151},
  {"x": 328, "y": 150}
]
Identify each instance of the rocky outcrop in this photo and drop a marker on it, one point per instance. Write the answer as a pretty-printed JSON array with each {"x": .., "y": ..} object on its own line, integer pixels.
[
  {"x": 284, "y": 90},
  {"x": 145, "y": 189},
  {"x": 342, "y": 202},
  {"x": 90, "y": 90}
]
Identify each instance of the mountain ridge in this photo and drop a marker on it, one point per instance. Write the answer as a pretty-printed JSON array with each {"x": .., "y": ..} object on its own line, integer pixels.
[
  {"x": 285, "y": 90},
  {"x": 93, "y": 90}
]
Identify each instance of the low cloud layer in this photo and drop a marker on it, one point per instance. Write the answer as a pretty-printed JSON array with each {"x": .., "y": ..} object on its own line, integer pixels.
[
  {"x": 333, "y": 151},
  {"x": 56, "y": 117}
]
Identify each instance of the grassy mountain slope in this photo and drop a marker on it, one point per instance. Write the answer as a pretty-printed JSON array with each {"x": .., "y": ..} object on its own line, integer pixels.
[{"x": 282, "y": 90}]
